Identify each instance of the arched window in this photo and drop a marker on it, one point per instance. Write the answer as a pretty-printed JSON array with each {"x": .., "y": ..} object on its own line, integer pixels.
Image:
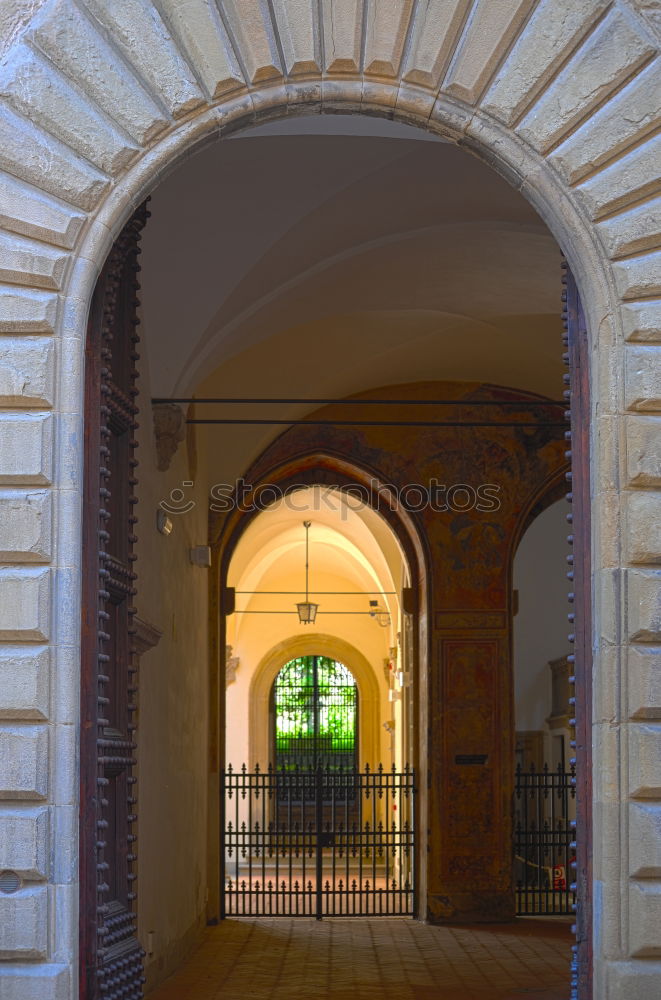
[{"x": 315, "y": 711}]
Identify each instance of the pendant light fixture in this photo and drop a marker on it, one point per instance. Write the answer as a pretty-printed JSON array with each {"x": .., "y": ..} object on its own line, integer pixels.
[{"x": 307, "y": 610}]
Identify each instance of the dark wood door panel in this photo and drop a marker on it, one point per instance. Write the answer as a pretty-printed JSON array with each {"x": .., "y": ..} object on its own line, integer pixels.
[{"x": 110, "y": 954}]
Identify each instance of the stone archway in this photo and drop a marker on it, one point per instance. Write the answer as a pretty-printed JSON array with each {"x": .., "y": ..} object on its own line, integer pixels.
[
  {"x": 323, "y": 468},
  {"x": 560, "y": 99}
]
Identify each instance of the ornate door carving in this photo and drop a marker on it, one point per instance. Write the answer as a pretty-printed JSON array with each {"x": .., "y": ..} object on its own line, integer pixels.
[{"x": 110, "y": 954}]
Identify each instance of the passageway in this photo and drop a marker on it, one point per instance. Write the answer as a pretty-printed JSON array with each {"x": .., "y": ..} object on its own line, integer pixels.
[
  {"x": 343, "y": 454},
  {"x": 393, "y": 959}
]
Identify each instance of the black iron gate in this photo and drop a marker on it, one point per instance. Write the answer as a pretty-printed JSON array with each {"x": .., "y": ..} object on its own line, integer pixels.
[
  {"x": 318, "y": 843},
  {"x": 544, "y": 832}
]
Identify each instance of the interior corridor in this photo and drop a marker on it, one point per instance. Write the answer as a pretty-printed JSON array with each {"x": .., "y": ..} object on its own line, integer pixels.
[{"x": 393, "y": 959}]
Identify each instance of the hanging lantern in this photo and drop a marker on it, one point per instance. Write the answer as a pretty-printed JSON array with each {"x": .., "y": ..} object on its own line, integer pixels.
[
  {"x": 307, "y": 612},
  {"x": 307, "y": 609}
]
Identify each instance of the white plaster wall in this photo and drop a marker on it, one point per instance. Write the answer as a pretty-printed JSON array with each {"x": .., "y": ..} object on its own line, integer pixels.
[
  {"x": 540, "y": 628},
  {"x": 173, "y": 710}
]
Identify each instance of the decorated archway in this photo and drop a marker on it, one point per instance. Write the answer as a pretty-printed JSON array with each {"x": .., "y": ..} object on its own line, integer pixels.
[{"x": 561, "y": 101}]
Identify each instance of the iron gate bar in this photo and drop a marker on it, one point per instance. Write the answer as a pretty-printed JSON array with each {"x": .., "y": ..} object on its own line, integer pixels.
[
  {"x": 318, "y": 861},
  {"x": 380, "y": 423},
  {"x": 363, "y": 402},
  {"x": 544, "y": 808}
]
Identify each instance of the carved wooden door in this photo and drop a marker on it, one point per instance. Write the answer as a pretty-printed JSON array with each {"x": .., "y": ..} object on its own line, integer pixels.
[
  {"x": 580, "y": 659},
  {"x": 110, "y": 954}
]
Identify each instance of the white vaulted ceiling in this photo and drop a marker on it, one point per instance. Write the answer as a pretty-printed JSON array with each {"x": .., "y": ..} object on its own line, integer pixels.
[{"x": 307, "y": 258}]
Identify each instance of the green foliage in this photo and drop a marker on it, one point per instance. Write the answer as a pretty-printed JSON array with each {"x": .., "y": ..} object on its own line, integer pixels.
[{"x": 315, "y": 707}]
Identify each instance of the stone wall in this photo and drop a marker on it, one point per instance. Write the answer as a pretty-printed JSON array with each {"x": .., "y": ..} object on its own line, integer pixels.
[{"x": 99, "y": 100}]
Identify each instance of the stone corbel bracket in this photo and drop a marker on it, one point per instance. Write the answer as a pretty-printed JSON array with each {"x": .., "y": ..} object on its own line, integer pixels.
[
  {"x": 146, "y": 635},
  {"x": 169, "y": 432},
  {"x": 231, "y": 666}
]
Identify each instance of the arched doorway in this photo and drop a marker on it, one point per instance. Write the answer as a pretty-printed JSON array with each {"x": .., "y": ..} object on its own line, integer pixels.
[
  {"x": 325, "y": 743},
  {"x": 544, "y": 100},
  {"x": 445, "y": 622}
]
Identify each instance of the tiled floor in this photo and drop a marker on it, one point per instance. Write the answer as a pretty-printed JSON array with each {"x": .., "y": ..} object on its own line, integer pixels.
[{"x": 387, "y": 958}]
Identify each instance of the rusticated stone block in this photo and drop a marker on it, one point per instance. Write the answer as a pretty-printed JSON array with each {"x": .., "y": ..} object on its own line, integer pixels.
[
  {"x": 24, "y": 310},
  {"x": 23, "y": 762},
  {"x": 25, "y": 449},
  {"x": 34, "y": 982},
  {"x": 298, "y": 28},
  {"x": 24, "y": 682},
  {"x": 645, "y": 919},
  {"x": 643, "y": 377},
  {"x": 644, "y": 682},
  {"x": 617, "y": 47},
  {"x": 633, "y": 980},
  {"x": 551, "y": 33},
  {"x": 385, "y": 33},
  {"x": 24, "y": 604},
  {"x": 24, "y": 842},
  {"x": 29, "y": 212},
  {"x": 491, "y": 29},
  {"x": 138, "y": 31},
  {"x": 69, "y": 39},
  {"x": 436, "y": 25},
  {"x": 250, "y": 23},
  {"x": 644, "y": 605},
  {"x": 643, "y": 435},
  {"x": 644, "y": 527},
  {"x": 26, "y": 371},
  {"x": 24, "y": 924},
  {"x": 342, "y": 27},
  {"x": 638, "y": 277},
  {"x": 633, "y": 231},
  {"x": 645, "y": 840},
  {"x": 34, "y": 88},
  {"x": 642, "y": 321},
  {"x": 25, "y": 525},
  {"x": 623, "y": 120},
  {"x": 202, "y": 35},
  {"x": 42, "y": 160},
  {"x": 644, "y": 761},
  {"x": 630, "y": 178}
]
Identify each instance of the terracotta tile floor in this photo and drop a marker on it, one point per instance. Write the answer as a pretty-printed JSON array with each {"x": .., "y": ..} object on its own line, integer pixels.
[{"x": 388, "y": 958}]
